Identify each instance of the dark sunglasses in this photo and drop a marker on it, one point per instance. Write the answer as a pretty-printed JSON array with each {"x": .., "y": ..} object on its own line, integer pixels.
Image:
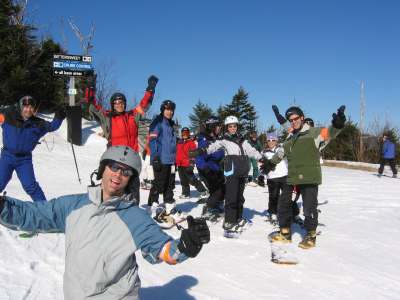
[
  {"x": 115, "y": 167},
  {"x": 294, "y": 119},
  {"x": 28, "y": 101},
  {"x": 271, "y": 140}
]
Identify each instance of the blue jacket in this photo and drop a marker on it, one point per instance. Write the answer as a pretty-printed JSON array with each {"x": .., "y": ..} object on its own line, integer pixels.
[
  {"x": 163, "y": 140},
  {"x": 208, "y": 161},
  {"x": 21, "y": 136},
  {"x": 101, "y": 239},
  {"x": 388, "y": 150}
]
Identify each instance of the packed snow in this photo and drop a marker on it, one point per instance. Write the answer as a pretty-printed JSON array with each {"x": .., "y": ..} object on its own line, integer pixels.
[{"x": 357, "y": 253}]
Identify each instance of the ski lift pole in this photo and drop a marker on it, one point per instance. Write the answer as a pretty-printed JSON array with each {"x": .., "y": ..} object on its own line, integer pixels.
[{"x": 76, "y": 164}]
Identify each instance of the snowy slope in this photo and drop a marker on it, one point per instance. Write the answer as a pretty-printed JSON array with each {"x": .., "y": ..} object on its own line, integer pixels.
[{"x": 357, "y": 256}]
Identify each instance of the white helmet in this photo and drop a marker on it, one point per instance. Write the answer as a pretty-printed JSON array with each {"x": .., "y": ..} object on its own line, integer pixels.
[{"x": 231, "y": 120}]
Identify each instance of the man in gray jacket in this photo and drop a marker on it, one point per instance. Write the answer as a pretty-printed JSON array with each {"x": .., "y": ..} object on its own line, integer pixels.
[{"x": 103, "y": 230}]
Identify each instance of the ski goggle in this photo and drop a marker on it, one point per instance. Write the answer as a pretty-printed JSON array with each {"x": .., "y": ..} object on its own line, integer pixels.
[
  {"x": 115, "y": 167},
  {"x": 118, "y": 101},
  {"x": 28, "y": 101}
]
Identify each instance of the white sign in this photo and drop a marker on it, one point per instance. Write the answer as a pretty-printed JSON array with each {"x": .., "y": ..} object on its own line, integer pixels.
[{"x": 72, "y": 92}]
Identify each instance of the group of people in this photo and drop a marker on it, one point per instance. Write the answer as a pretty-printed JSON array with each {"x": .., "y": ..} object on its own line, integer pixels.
[{"x": 109, "y": 213}]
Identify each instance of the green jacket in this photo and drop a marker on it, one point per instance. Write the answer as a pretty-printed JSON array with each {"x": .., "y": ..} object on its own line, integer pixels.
[{"x": 302, "y": 151}]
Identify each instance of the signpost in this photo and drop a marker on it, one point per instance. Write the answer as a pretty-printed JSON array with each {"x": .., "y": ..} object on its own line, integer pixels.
[{"x": 73, "y": 66}]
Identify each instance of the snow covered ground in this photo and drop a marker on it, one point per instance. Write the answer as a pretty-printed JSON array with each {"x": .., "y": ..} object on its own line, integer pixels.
[{"x": 357, "y": 253}]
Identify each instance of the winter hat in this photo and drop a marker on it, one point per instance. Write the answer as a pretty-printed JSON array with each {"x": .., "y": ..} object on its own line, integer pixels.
[
  {"x": 272, "y": 136},
  {"x": 27, "y": 100}
]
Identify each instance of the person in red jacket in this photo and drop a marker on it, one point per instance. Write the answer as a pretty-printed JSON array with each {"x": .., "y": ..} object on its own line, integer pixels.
[
  {"x": 120, "y": 127},
  {"x": 185, "y": 166}
]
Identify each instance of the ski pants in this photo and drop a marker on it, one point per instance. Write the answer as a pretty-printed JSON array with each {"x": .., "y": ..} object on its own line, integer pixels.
[
  {"x": 187, "y": 177},
  {"x": 390, "y": 162},
  {"x": 275, "y": 189},
  {"x": 215, "y": 182},
  {"x": 234, "y": 199},
  {"x": 254, "y": 165},
  {"x": 309, "y": 194},
  {"x": 22, "y": 164},
  {"x": 163, "y": 183}
]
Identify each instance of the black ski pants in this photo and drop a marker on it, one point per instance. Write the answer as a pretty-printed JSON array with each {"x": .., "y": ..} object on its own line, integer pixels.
[
  {"x": 275, "y": 189},
  {"x": 390, "y": 162},
  {"x": 234, "y": 199},
  {"x": 163, "y": 183},
  {"x": 309, "y": 194},
  {"x": 188, "y": 178},
  {"x": 215, "y": 183}
]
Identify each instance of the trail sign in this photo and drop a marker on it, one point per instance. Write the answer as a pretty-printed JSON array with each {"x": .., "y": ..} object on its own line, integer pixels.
[{"x": 72, "y": 65}]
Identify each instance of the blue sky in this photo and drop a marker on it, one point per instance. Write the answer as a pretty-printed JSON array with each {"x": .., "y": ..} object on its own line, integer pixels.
[{"x": 313, "y": 52}]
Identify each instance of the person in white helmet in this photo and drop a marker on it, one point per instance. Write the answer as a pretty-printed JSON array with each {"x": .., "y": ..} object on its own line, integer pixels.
[{"x": 236, "y": 169}]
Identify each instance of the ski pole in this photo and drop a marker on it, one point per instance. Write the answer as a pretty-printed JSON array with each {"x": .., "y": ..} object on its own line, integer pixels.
[{"x": 76, "y": 164}]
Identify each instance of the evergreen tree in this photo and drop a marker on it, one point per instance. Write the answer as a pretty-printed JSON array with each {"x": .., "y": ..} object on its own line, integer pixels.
[
  {"x": 25, "y": 64},
  {"x": 242, "y": 109},
  {"x": 201, "y": 112}
]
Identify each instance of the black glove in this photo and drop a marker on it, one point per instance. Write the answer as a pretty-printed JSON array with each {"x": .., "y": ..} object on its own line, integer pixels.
[
  {"x": 197, "y": 152},
  {"x": 156, "y": 163},
  {"x": 339, "y": 119},
  {"x": 281, "y": 119},
  {"x": 61, "y": 113},
  {"x": 144, "y": 153},
  {"x": 267, "y": 166},
  {"x": 152, "y": 82},
  {"x": 193, "y": 238}
]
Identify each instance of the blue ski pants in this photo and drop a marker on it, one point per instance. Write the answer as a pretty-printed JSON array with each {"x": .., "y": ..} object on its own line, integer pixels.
[{"x": 24, "y": 168}]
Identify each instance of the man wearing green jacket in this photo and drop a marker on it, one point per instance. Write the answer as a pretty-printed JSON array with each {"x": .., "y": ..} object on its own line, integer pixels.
[{"x": 301, "y": 150}]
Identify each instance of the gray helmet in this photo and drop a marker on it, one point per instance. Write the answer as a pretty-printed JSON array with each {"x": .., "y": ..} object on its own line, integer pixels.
[{"x": 123, "y": 155}]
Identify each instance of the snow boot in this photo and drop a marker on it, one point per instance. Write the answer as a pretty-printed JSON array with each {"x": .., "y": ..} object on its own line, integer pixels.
[
  {"x": 231, "y": 230},
  {"x": 211, "y": 214},
  {"x": 284, "y": 235},
  {"x": 309, "y": 240}
]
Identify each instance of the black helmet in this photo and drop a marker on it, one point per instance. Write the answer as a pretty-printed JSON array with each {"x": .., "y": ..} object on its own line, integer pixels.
[
  {"x": 27, "y": 100},
  {"x": 211, "y": 123},
  {"x": 167, "y": 104},
  {"x": 117, "y": 96},
  {"x": 185, "y": 129},
  {"x": 309, "y": 121},
  {"x": 294, "y": 110}
]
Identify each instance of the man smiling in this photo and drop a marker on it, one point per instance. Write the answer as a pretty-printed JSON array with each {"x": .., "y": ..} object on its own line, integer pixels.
[{"x": 103, "y": 230}]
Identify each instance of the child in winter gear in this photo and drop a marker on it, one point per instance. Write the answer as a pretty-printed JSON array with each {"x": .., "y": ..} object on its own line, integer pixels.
[
  {"x": 276, "y": 178},
  {"x": 388, "y": 155},
  {"x": 21, "y": 133},
  {"x": 185, "y": 165},
  {"x": 163, "y": 155},
  {"x": 301, "y": 149},
  {"x": 236, "y": 168},
  {"x": 209, "y": 168},
  {"x": 103, "y": 230}
]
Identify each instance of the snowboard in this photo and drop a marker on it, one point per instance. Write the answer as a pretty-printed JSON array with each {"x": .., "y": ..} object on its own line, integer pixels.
[{"x": 282, "y": 253}]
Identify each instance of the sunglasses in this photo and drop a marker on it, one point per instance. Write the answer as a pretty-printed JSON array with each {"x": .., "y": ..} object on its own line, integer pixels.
[
  {"x": 28, "y": 101},
  {"x": 115, "y": 167},
  {"x": 294, "y": 119},
  {"x": 271, "y": 140}
]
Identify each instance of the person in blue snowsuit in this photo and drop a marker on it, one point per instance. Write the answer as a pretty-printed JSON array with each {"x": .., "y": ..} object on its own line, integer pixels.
[
  {"x": 21, "y": 133},
  {"x": 388, "y": 155},
  {"x": 209, "y": 168}
]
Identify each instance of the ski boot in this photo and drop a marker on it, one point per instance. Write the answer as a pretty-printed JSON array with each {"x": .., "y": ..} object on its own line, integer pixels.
[
  {"x": 211, "y": 214},
  {"x": 309, "y": 240},
  {"x": 244, "y": 223},
  {"x": 284, "y": 235},
  {"x": 231, "y": 230}
]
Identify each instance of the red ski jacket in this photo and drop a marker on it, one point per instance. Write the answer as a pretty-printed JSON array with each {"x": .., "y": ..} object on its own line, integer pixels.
[
  {"x": 182, "y": 152},
  {"x": 122, "y": 128}
]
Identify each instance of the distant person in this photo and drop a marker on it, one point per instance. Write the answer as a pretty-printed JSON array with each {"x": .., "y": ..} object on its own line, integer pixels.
[
  {"x": 22, "y": 130},
  {"x": 185, "y": 166},
  {"x": 388, "y": 155},
  {"x": 253, "y": 141},
  {"x": 103, "y": 230}
]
